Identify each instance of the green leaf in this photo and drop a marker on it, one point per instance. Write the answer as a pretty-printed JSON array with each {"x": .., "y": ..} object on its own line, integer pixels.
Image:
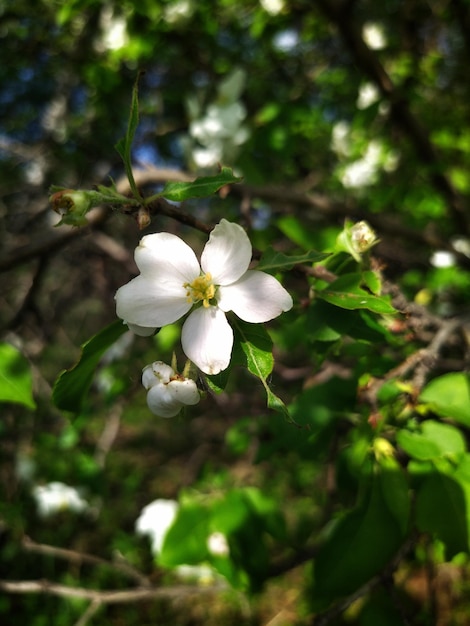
[
  {"x": 15, "y": 377},
  {"x": 442, "y": 508},
  {"x": 327, "y": 322},
  {"x": 449, "y": 396},
  {"x": 256, "y": 345},
  {"x": 186, "y": 539},
  {"x": 347, "y": 293},
  {"x": 395, "y": 490},
  {"x": 200, "y": 188},
  {"x": 272, "y": 260},
  {"x": 72, "y": 385},
  {"x": 124, "y": 145},
  {"x": 435, "y": 441},
  {"x": 359, "y": 546}
]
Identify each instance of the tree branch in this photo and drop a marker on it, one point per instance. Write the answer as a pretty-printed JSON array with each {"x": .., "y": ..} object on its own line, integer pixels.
[
  {"x": 138, "y": 594},
  {"x": 120, "y": 566}
]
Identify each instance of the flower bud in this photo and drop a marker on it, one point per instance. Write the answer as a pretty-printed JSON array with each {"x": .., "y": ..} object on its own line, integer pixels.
[
  {"x": 356, "y": 239},
  {"x": 72, "y": 205},
  {"x": 168, "y": 391}
]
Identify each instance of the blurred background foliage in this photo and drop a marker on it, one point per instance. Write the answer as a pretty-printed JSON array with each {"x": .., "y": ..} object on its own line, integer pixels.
[{"x": 329, "y": 110}]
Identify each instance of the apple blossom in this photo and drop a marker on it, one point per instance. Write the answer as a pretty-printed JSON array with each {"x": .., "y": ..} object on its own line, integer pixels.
[
  {"x": 56, "y": 497},
  {"x": 171, "y": 283},
  {"x": 168, "y": 391}
]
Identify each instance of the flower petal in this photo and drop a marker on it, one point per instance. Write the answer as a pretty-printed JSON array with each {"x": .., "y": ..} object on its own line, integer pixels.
[
  {"x": 227, "y": 254},
  {"x": 151, "y": 303},
  {"x": 162, "y": 402},
  {"x": 184, "y": 391},
  {"x": 166, "y": 258},
  {"x": 256, "y": 297},
  {"x": 142, "y": 331},
  {"x": 207, "y": 339},
  {"x": 155, "y": 373}
]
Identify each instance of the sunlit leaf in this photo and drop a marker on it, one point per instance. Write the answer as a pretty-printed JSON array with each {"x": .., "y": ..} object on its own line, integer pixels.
[
  {"x": 347, "y": 293},
  {"x": 186, "y": 539},
  {"x": 272, "y": 260},
  {"x": 200, "y": 188},
  {"x": 449, "y": 396},
  {"x": 15, "y": 377},
  {"x": 124, "y": 146},
  {"x": 256, "y": 345}
]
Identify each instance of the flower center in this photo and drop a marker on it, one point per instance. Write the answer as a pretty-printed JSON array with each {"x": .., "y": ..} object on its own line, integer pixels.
[{"x": 201, "y": 289}]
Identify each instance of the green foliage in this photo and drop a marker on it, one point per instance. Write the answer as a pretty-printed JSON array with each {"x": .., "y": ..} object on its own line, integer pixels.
[
  {"x": 449, "y": 396},
  {"x": 15, "y": 377},
  {"x": 69, "y": 393},
  {"x": 360, "y": 544},
  {"x": 332, "y": 453},
  {"x": 350, "y": 292},
  {"x": 200, "y": 188}
]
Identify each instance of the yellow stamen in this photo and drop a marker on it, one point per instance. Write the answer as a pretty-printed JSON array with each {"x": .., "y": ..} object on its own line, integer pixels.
[{"x": 201, "y": 289}]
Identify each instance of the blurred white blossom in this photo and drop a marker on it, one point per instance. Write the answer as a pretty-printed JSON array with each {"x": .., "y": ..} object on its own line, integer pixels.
[
  {"x": 217, "y": 544},
  {"x": 368, "y": 95},
  {"x": 461, "y": 244},
  {"x": 273, "y": 7},
  {"x": 178, "y": 12},
  {"x": 56, "y": 497},
  {"x": 374, "y": 36},
  {"x": 442, "y": 258},
  {"x": 113, "y": 27},
  {"x": 155, "y": 520},
  {"x": 217, "y": 132},
  {"x": 341, "y": 139},
  {"x": 365, "y": 171}
]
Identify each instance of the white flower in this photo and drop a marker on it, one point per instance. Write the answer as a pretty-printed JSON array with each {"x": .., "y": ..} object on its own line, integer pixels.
[
  {"x": 168, "y": 391},
  {"x": 273, "y": 7},
  {"x": 171, "y": 283},
  {"x": 368, "y": 94},
  {"x": 217, "y": 544},
  {"x": 374, "y": 36},
  {"x": 56, "y": 497},
  {"x": 155, "y": 520}
]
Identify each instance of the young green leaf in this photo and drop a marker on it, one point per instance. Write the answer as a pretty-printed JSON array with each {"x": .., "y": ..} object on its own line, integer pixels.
[
  {"x": 256, "y": 346},
  {"x": 449, "y": 396},
  {"x": 124, "y": 145},
  {"x": 347, "y": 292},
  {"x": 200, "y": 188},
  {"x": 72, "y": 385},
  {"x": 272, "y": 260},
  {"x": 15, "y": 377}
]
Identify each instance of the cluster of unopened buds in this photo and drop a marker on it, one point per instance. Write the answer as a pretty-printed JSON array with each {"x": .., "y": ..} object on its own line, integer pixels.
[{"x": 168, "y": 391}]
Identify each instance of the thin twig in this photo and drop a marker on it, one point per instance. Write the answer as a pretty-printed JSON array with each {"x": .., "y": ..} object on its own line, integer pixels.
[
  {"x": 92, "y": 609},
  {"x": 138, "y": 594},
  {"x": 79, "y": 557}
]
